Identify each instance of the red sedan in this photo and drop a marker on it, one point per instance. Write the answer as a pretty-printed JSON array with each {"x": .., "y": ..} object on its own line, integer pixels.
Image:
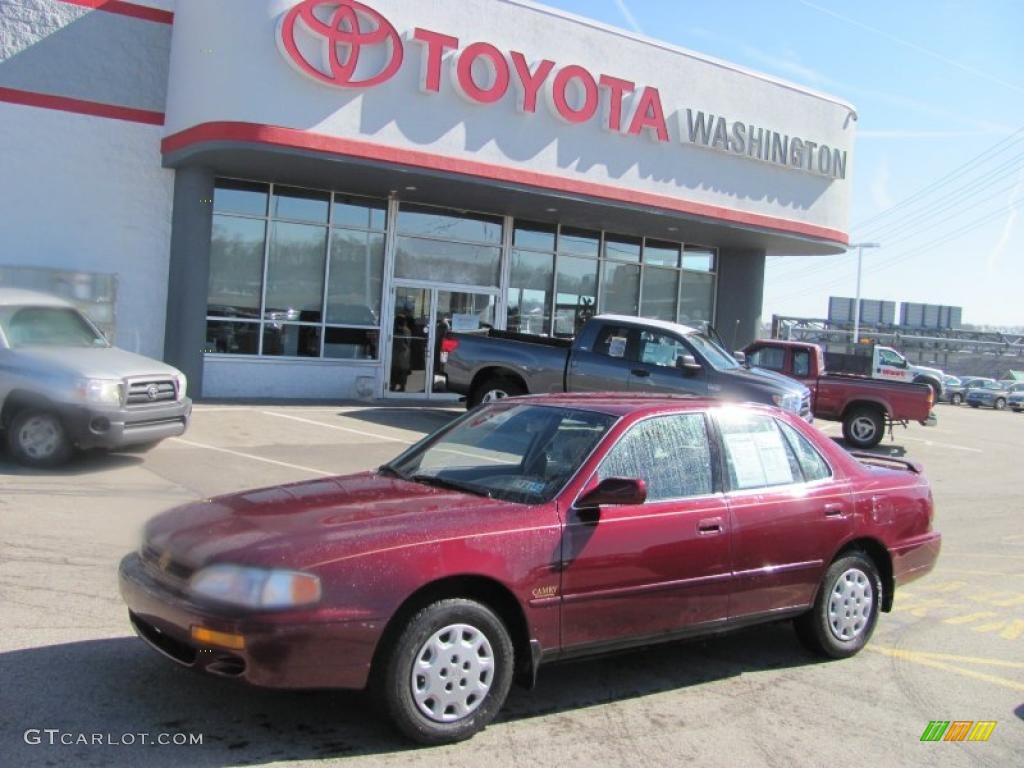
[{"x": 532, "y": 530}]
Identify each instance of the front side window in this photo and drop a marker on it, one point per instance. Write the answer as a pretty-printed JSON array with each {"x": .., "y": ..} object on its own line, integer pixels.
[
  {"x": 660, "y": 349},
  {"x": 888, "y": 357},
  {"x": 756, "y": 453},
  {"x": 771, "y": 358},
  {"x": 671, "y": 454}
]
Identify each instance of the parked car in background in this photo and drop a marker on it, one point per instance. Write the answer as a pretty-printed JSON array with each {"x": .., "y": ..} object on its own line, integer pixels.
[
  {"x": 527, "y": 531},
  {"x": 991, "y": 394},
  {"x": 64, "y": 387},
  {"x": 950, "y": 385},
  {"x": 612, "y": 353},
  {"x": 880, "y": 362},
  {"x": 958, "y": 394},
  {"x": 1016, "y": 400},
  {"x": 865, "y": 406}
]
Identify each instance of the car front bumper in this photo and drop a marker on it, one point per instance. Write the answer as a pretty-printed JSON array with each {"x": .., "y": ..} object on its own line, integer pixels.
[
  {"x": 111, "y": 428},
  {"x": 278, "y": 652}
]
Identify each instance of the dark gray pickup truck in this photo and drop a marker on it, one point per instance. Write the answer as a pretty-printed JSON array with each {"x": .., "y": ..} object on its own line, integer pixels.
[{"x": 611, "y": 353}]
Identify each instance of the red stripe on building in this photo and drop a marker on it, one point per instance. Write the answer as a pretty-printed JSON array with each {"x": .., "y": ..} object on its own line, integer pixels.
[
  {"x": 80, "y": 106},
  {"x": 291, "y": 138},
  {"x": 121, "y": 8}
]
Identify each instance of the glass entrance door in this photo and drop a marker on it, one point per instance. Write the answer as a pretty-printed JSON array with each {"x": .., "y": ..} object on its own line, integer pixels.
[{"x": 422, "y": 315}]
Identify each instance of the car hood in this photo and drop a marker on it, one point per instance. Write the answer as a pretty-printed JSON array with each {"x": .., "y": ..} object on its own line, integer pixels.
[
  {"x": 95, "y": 362},
  {"x": 317, "y": 522}
]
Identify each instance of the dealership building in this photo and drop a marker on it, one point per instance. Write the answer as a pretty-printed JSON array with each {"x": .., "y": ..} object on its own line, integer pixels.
[{"x": 298, "y": 198}]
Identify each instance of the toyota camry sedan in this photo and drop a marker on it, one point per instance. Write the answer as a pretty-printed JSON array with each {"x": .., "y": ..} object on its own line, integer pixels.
[{"x": 529, "y": 531}]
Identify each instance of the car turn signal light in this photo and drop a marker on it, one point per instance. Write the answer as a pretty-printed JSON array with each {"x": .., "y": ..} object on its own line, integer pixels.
[{"x": 220, "y": 639}]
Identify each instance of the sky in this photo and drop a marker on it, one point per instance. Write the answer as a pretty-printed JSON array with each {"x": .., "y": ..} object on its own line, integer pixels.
[{"x": 938, "y": 166}]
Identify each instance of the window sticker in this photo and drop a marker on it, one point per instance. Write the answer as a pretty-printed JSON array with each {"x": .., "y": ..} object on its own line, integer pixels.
[
  {"x": 617, "y": 346},
  {"x": 759, "y": 459}
]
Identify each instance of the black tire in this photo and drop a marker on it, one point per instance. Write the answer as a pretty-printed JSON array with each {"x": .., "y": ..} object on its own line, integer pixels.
[
  {"x": 396, "y": 684},
  {"x": 974, "y": 405},
  {"x": 956, "y": 398},
  {"x": 864, "y": 427},
  {"x": 1000, "y": 403},
  {"x": 39, "y": 453},
  {"x": 820, "y": 630},
  {"x": 494, "y": 388}
]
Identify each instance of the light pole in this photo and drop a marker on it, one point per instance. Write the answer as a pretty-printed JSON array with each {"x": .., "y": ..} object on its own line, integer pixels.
[{"x": 856, "y": 304}]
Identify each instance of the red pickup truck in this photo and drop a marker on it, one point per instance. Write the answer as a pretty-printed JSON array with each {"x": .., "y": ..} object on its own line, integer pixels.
[{"x": 864, "y": 406}]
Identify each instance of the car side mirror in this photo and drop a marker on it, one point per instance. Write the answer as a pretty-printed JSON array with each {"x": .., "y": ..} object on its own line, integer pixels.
[
  {"x": 614, "y": 492},
  {"x": 688, "y": 364},
  {"x": 741, "y": 357}
]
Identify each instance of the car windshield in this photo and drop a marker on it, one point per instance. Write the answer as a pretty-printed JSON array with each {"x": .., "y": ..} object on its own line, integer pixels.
[
  {"x": 717, "y": 357},
  {"x": 48, "y": 327},
  {"x": 520, "y": 453}
]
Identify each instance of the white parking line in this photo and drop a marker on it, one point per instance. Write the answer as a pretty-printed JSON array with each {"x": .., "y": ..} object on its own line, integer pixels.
[
  {"x": 253, "y": 457},
  {"x": 374, "y": 435},
  {"x": 943, "y": 445}
]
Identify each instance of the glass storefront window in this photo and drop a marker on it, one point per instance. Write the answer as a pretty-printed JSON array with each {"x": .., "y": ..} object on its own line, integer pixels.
[
  {"x": 661, "y": 254},
  {"x": 622, "y": 248},
  {"x": 620, "y": 289},
  {"x": 530, "y": 292},
  {"x": 359, "y": 212},
  {"x": 291, "y": 340},
  {"x": 447, "y": 262},
  {"x": 301, "y": 205},
  {"x": 236, "y": 267},
  {"x": 449, "y": 225},
  {"x": 576, "y": 294},
  {"x": 351, "y": 343},
  {"x": 356, "y": 277},
  {"x": 699, "y": 259},
  {"x": 582, "y": 242},
  {"x": 537, "y": 237},
  {"x": 661, "y": 288},
  {"x": 244, "y": 197},
  {"x": 696, "y": 298},
  {"x": 295, "y": 273},
  {"x": 224, "y": 338}
]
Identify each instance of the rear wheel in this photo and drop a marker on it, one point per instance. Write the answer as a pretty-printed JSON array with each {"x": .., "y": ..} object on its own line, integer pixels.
[
  {"x": 37, "y": 438},
  {"x": 846, "y": 609},
  {"x": 864, "y": 427},
  {"x": 956, "y": 398},
  {"x": 1000, "y": 403},
  {"x": 493, "y": 389},
  {"x": 448, "y": 673}
]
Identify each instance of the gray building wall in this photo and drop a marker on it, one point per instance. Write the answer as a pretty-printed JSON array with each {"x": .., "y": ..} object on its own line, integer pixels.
[{"x": 740, "y": 295}]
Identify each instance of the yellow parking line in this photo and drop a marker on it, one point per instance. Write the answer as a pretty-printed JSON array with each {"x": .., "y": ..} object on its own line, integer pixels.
[
  {"x": 949, "y": 657},
  {"x": 927, "y": 661}
]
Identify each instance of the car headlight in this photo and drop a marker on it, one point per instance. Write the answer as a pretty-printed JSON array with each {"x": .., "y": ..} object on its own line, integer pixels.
[
  {"x": 788, "y": 402},
  {"x": 182, "y": 383},
  {"x": 101, "y": 391},
  {"x": 256, "y": 587}
]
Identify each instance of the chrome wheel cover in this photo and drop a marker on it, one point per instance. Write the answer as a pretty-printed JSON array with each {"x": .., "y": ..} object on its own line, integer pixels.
[
  {"x": 863, "y": 428},
  {"x": 40, "y": 436},
  {"x": 493, "y": 395},
  {"x": 452, "y": 673},
  {"x": 850, "y": 605}
]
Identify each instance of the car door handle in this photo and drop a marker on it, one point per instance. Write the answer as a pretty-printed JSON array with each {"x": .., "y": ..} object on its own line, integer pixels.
[
  {"x": 640, "y": 372},
  {"x": 835, "y": 510},
  {"x": 710, "y": 527}
]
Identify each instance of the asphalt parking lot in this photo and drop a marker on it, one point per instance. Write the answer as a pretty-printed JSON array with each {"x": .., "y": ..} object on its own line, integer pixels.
[{"x": 952, "y": 650}]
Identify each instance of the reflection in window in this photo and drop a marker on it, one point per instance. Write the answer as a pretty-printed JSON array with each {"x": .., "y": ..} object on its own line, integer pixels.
[
  {"x": 236, "y": 267},
  {"x": 620, "y": 289},
  {"x": 537, "y": 237},
  {"x": 356, "y": 276},
  {"x": 351, "y": 343},
  {"x": 242, "y": 197},
  {"x": 661, "y": 254},
  {"x": 581, "y": 242},
  {"x": 670, "y": 454},
  {"x": 530, "y": 292},
  {"x": 301, "y": 204},
  {"x": 756, "y": 454},
  {"x": 622, "y": 248},
  {"x": 696, "y": 299},
  {"x": 576, "y": 294},
  {"x": 447, "y": 262},
  {"x": 295, "y": 273},
  {"x": 291, "y": 340},
  {"x": 661, "y": 290},
  {"x": 224, "y": 338},
  {"x": 359, "y": 212},
  {"x": 698, "y": 259},
  {"x": 449, "y": 225}
]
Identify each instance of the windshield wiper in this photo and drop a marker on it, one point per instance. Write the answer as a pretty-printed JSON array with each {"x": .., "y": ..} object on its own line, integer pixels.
[
  {"x": 452, "y": 485},
  {"x": 387, "y": 469}
]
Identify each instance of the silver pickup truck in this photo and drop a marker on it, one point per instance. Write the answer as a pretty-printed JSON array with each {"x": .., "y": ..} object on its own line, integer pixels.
[
  {"x": 63, "y": 387},
  {"x": 611, "y": 353}
]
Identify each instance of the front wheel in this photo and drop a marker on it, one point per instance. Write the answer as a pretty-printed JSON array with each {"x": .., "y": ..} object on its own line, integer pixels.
[
  {"x": 1000, "y": 403},
  {"x": 864, "y": 427},
  {"x": 846, "y": 609},
  {"x": 449, "y": 672},
  {"x": 37, "y": 438},
  {"x": 956, "y": 398}
]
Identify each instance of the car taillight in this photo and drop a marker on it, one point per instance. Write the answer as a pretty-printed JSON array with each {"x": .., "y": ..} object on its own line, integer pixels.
[
  {"x": 449, "y": 344},
  {"x": 931, "y": 397}
]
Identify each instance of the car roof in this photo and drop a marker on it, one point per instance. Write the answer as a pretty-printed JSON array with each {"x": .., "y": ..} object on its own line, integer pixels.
[
  {"x": 783, "y": 343},
  {"x": 16, "y": 297},
  {"x": 626, "y": 403},
  {"x": 664, "y": 325}
]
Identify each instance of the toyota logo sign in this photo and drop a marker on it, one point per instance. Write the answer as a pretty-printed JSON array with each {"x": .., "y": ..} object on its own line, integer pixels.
[{"x": 340, "y": 42}]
